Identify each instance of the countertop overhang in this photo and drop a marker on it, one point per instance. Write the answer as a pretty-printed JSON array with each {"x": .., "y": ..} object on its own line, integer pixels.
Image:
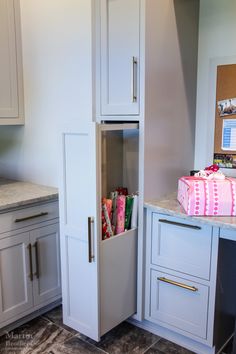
[
  {"x": 170, "y": 206},
  {"x": 15, "y": 194}
]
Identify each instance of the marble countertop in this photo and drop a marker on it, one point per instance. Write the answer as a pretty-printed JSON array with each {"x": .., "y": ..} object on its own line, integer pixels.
[
  {"x": 170, "y": 206},
  {"x": 14, "y": 194}
]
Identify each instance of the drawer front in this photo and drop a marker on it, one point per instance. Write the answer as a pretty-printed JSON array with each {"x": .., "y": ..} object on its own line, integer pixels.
[
  {"x": 228, "y": 234},
  {"x": 18, "y": 219},
  {"x": 181, "y": 246},
  {"x": 179, "y": 307}
]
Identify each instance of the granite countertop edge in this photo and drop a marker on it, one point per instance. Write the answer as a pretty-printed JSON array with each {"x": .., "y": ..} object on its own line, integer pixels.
[
  {"x": 18, "y": 194},
  {"x": 24, "y": 203},
  {"x": 170, "y": 206}
]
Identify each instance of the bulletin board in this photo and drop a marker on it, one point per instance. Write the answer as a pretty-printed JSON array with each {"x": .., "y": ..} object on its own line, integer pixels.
[{"x": 225, "y": 117}]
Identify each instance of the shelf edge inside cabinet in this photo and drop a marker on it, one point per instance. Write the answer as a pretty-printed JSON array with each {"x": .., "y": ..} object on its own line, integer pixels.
[{"x": 125, "y": 126}]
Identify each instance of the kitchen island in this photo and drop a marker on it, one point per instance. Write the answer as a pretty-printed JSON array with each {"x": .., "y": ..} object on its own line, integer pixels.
[
  {"x": 189, "y": 276},
  {"x": 30, "y": 281}
]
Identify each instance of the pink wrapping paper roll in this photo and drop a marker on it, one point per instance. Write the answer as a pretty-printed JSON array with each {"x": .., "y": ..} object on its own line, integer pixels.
[{"x": 120, "y": 214}]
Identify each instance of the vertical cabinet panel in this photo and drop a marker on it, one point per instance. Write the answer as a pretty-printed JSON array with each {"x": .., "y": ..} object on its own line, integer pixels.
[
  {"x": 79, "y": 169},
  {"x": 120, "y": 57},
  {"x": 15, "y": 285},
  {"x": 118, "y": 267},
  {"x": 47, "y": 277},
  {"x": 11, "y": 90},
  {"x": 79, "y": 202}
]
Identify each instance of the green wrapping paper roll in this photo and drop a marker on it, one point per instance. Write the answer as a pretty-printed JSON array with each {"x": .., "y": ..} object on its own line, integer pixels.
[
  {"x": 113, "y": 196},
  {"x": 134, "y": 217},
  {"x": 128, "y": 210}
]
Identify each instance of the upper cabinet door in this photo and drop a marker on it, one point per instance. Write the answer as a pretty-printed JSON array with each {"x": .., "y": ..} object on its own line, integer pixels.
[
  {"x": 120, "y": 28},
  {"x": 11, "y": 91}
]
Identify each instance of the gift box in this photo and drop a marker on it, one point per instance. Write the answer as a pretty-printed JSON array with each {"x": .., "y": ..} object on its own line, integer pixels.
[{"x": 207, "y": 197}]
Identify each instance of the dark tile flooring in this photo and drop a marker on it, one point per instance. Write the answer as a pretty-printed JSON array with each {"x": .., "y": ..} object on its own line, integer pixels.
[{"x": 47, "y": 334}]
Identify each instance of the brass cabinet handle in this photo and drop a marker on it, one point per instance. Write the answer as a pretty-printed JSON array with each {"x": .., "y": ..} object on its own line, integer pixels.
[
  {"x": 31, "y": 276},
  {"x": 90, "y": 255},
  {"x": 181, "y": 285},
  {"x": 31, "y": 217},
  {"x": 36, "y": 259},
  {"x": 134, "y": 78},
  {"x": 180, "y": 224}
]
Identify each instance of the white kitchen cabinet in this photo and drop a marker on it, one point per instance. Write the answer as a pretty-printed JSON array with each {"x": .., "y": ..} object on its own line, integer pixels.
[
  {"x": 181, "y": 258},
  {"x": 98, "y": 276},
  {"x": 29, "y": 261},
  {"x": 11, "y": 83},
  {"x": 139, "y": 68},
  {"x": 120, "y": 46}
]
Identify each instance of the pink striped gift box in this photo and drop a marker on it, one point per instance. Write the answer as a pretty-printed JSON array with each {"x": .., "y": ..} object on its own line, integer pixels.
[{"x": 203, "y": 197}]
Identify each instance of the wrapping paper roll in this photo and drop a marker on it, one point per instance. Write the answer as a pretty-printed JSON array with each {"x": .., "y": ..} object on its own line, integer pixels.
[
  {"x": 113, "y": 196},
  {"x": 122, "y": 190},
  {"x": 106, "y": 218},
  {"x": 128, "y": 211},
  {"x": 134, "y": 217},
  {"x": 120, "y": 214}
]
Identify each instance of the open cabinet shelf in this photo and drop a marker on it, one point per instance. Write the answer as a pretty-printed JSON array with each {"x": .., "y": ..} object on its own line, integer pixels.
[{"x": 118, "y": 163}]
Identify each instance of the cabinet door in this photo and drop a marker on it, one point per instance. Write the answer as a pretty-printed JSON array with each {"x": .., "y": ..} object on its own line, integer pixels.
[
  {"x": 10, "y": 64},
  {"x": 78, "y": 204},
  {"x": 120, "y": 57},
  {"x": 15, "y": 283},
  {"x": 47, "y": 277}
]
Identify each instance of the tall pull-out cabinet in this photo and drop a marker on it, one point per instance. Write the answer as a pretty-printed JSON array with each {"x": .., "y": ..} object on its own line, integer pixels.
[
  {"x": 99, "y": 276},
  {"x": 138, "y": 94}
]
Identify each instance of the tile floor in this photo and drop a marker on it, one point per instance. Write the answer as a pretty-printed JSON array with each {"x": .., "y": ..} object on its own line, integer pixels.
[{"x": 47, "y": 334}]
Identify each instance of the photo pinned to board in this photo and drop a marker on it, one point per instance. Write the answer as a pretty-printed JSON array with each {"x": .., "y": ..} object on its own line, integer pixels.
[
  {"x": 227, "y": 107},
  {"x": 229, "y": 135},
  {"x": 225, "y": 160}
]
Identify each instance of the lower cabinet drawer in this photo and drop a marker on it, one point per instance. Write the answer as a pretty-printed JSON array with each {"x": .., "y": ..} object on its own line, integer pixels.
[
  {"x": 179, "y": 303},
  {"x": 181, "y": 245},
  {"x": 28, "y": 216}
]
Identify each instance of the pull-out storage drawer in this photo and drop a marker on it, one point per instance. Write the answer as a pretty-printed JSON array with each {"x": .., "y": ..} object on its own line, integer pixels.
[
  {"x": 28, "y": 216},
  {"x": 181, "y": 246},
  {"x": 178, "y": 303}
]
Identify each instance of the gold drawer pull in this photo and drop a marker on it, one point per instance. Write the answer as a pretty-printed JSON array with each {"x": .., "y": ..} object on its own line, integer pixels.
[
  {"x": 31, "y": 217},
  {"x": 181, "y": 285},
  {"x": 180, "y": 224}
]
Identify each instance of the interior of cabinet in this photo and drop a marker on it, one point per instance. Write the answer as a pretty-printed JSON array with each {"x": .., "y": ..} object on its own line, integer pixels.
[
  {"x": 118, "y": 254},
  {"x": 119, "y": 155},
  {"x": 119, "y": 147}
]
